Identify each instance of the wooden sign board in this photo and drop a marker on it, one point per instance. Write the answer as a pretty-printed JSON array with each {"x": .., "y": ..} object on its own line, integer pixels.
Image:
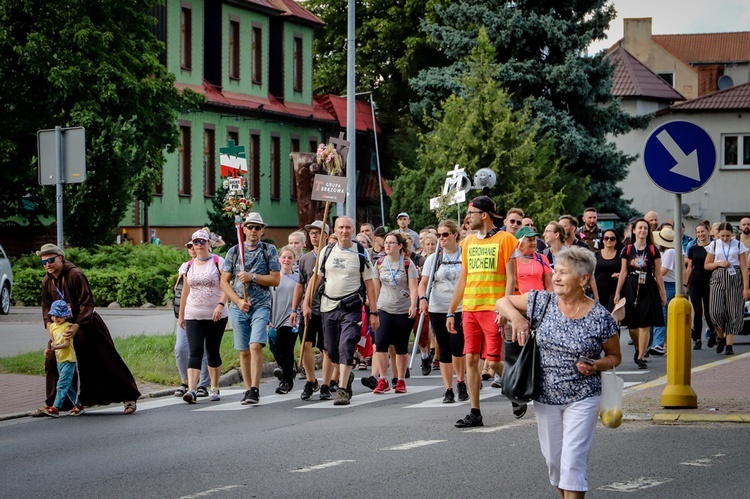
[{"x": 329, "y": 188}]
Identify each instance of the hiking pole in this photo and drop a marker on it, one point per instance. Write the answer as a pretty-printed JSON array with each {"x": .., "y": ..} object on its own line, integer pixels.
[
  {"x": 430, "y": 279},
  {"x": 314, "y": 280}
]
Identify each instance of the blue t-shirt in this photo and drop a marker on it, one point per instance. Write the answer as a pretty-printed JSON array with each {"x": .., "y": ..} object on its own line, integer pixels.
[
  {"x": 561, "y": 341},
  {"x": 255, "y": 263}
]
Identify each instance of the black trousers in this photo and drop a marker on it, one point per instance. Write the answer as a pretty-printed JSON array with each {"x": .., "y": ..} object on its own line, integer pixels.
[
  {"x": 204, "y": 332},
  {"x": 699, "y": 293},
  {"x": 285, "y": 341}
]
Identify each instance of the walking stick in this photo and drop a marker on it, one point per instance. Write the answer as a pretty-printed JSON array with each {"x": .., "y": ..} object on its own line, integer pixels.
[
  {"x": 314, "y": 280},
  {"x": 430, "y": 279}
]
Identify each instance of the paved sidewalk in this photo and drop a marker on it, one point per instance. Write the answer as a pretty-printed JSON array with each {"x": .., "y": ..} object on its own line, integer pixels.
[
  {"x": 21, "y": 394},
  {"x": 722, "y": 387}
]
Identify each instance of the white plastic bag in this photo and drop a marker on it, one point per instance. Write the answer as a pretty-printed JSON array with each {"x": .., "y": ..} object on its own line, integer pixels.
[{"x": 610, "y": 406}]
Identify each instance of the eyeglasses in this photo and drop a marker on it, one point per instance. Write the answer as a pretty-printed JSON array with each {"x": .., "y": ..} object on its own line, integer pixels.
[
  {"x": 609, "y": 238},
  {"x": 444, "y": 234},
  {"x": 199, "y": 242},
  {"x": 391, "y": 242},
  {"x": 257, "y": 228},
  {"x": 189, "y": 245},
  {"x": 514, "y": 222},
  {"x": 469, "y": 212},
  {"x": 529, "y": 225},
  {"x": 49, "y": 260}
]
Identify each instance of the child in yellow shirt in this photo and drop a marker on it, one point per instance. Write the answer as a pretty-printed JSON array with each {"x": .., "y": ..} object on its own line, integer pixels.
[{"x": 66, "y": 359}]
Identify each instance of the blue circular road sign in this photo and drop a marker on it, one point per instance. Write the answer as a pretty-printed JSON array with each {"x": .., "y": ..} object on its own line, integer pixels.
[{"x": 679, "y": 156}]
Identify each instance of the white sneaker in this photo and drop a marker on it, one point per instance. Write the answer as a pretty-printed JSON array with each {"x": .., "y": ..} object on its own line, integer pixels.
[
  {"x": 215, "y": 396},
  {"x": 497, "y": 382}
]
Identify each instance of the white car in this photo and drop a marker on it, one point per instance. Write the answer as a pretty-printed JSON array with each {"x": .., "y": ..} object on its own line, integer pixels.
[{"x": 6, "y": 282}]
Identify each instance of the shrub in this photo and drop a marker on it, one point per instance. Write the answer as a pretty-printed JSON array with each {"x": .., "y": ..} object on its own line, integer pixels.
[
  {"x": 27, "y": 285},
  {"x": 129, "y": 275}
]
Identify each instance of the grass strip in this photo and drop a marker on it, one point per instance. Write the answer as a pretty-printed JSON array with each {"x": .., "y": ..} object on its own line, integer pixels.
[{"x": 150, "y": 358}]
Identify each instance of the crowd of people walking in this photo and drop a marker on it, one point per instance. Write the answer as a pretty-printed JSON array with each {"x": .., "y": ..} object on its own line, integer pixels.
[{"x": 358, "y": 298}]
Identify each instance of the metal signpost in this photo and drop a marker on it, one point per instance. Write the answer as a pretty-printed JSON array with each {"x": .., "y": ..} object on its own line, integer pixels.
[
  {"x": 679, "y": 157},
  {"x": 62, "y": 160}
]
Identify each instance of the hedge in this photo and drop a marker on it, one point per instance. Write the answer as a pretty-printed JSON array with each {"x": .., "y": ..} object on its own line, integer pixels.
[{"x": 129, "y": 275}]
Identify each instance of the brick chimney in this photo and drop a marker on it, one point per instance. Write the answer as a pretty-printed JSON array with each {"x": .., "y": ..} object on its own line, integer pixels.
[{"x": 708, "y": 78}]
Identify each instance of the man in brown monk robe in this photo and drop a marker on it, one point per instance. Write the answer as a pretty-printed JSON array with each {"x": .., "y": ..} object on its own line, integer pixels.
[{"x": 104, "y": 377}]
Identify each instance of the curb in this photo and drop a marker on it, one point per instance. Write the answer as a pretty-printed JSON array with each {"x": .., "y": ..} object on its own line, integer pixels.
[{"x": 666, "y": 418}]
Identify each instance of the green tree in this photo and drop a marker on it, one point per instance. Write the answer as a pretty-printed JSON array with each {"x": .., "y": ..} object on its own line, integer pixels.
[
  {"x": 479, "y": 128},
  {"x": 92, "y": 64},
  {"x": 540, "y": 47}
]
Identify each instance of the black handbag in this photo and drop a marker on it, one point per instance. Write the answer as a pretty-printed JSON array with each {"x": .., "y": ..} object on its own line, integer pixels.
[{"x": 522, "y": 370}]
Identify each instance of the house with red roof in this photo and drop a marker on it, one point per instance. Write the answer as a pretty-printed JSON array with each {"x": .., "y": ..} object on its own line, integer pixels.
[
  {"x": 694, "y": 64},
  {"x": 643, "y": 84}
]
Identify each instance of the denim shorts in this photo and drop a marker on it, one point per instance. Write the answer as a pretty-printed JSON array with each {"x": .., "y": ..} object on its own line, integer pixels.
[{"x": 250, "y": 327}]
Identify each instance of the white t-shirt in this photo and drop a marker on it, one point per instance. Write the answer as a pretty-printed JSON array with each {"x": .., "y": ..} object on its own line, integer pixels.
[
  {"x": 444, "y": 282},
  {"x": 342, "y": 275},
  {"x": 723, "y": 252},
  {"x": 667, "y": 262}
]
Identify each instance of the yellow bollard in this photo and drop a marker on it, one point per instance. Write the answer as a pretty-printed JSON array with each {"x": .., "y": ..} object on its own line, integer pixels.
[{"x": 678, "y": 392}]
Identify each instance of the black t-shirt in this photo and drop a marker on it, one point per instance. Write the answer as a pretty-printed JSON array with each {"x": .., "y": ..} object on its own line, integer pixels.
[{"x": 698, "y": 254}]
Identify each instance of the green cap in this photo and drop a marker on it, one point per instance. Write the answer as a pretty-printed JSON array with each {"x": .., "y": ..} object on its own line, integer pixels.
[{"x": 526, "y": 232}]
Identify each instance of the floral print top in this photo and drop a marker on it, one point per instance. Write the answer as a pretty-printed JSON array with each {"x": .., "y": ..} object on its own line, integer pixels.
[{"x": 561, "y": 341}]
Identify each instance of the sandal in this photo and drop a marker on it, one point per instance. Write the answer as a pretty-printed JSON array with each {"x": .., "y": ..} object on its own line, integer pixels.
[
  {"x": 129, "y": 407},
  {"x": 39, "y": 413}
]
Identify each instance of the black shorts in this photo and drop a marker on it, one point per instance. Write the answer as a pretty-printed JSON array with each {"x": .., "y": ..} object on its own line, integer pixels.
[{"x": 314, "y": 333}]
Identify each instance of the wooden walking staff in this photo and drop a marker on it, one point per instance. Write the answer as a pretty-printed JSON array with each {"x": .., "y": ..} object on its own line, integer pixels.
[{"x": 330, "y": 188}]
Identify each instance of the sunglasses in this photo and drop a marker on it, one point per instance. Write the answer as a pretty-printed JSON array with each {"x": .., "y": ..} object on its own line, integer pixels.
[
  {"x": 473, "y": 212},
  {"x": 199, "y": 242},
  {"x": 514, "y": 222},
  {"x": 444, "y": 234},
  {"x": 256, "y": 228},
  {"x": 49, "y": 260},
  {"x": 609, "y": 238},
  {"x": 189, "y": 245}
]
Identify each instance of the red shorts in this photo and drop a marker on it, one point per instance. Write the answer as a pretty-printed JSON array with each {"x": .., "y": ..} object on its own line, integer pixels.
[{"x": 482, "y": 335}]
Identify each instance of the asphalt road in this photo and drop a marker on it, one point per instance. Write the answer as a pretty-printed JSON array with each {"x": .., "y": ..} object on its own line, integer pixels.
[
  {"x": 23, "y": 329},
  {"x": 380, "y": 446}
]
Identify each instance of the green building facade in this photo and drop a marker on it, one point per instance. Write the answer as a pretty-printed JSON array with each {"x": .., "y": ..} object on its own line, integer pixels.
[{"x": 252, "y": 60}]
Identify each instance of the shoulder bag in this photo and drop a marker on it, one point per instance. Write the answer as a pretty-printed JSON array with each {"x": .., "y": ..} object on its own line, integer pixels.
[{"x": 522, "y": 372}]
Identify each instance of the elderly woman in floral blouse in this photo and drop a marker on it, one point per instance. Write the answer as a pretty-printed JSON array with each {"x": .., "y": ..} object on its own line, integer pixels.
[{"x": 573, "y": 331}]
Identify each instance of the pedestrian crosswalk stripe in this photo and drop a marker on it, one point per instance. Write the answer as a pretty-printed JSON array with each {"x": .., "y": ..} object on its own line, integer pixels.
[
  {"x": 146, "y": 404},
  {"x": 438, "y": 403},
  {"x": 367, "y": 398},
  {"x": 235, "y": 405}
]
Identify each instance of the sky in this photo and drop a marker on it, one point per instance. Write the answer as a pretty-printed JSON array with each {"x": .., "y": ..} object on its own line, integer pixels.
[{"x": 679, "y": 17}]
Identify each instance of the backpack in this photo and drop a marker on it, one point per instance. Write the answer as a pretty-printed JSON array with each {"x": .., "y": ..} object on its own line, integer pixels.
[
  {"x": 261, "y": 245},
  {"x": 180, "y": 283},
  {"x": 362, "y": 264}
]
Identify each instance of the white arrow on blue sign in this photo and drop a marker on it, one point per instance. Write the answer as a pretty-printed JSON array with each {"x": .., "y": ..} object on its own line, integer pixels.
[{"x": 679, "y": 156}]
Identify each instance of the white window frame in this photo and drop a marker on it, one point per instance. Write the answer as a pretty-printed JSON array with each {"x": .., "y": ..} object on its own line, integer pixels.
[{"x": 743, "y": 140}]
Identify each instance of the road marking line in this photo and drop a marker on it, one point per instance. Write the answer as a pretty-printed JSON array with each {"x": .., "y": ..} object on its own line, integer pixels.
[
  {"x": 265, "y": 400},
  {"x": 413, "y": 445},
  {"x": 211, "y": 491},
  {"x": 704, "y": 461},
  {"x": 489, "y": 429},
  {"x": 438, "y": 403},
  {"x": 328, "y": 464},
  {"x": 158, "y": 403},
  {"x": 636, "y": 484},
  {"x": 367, "y": 398}
]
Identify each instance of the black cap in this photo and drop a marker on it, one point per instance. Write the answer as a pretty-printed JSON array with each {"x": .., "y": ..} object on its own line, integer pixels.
[
  {"x": 380, "y": 231},
  {"x": 484, "y": 203}
]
